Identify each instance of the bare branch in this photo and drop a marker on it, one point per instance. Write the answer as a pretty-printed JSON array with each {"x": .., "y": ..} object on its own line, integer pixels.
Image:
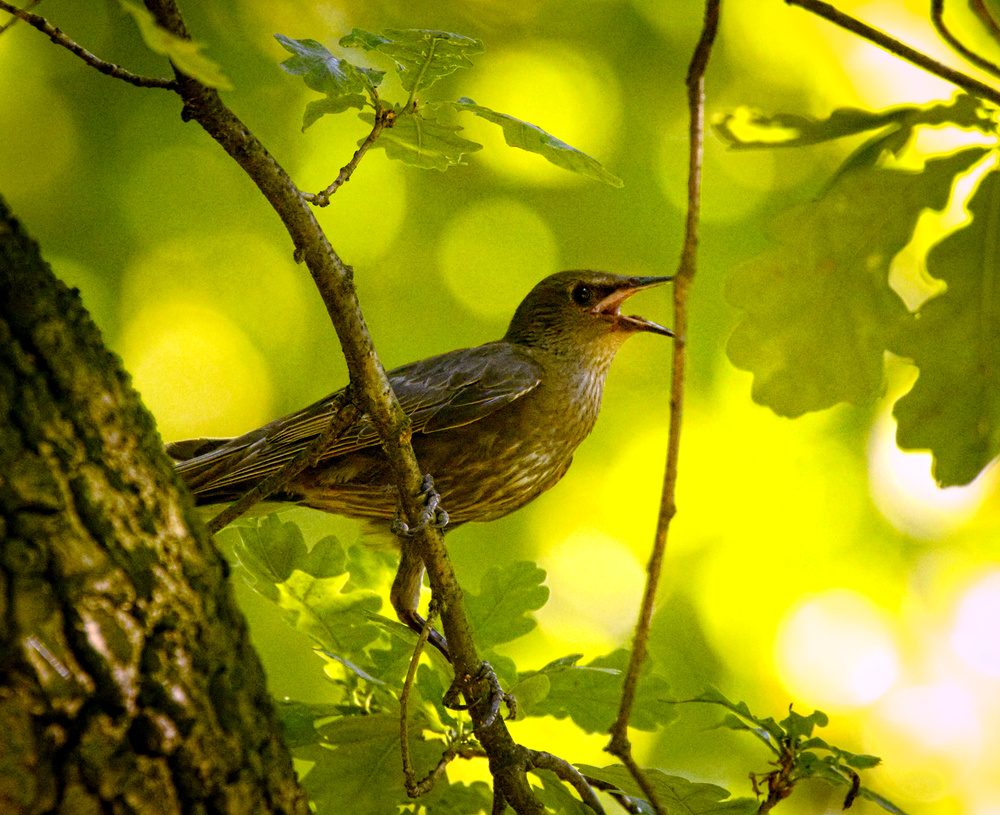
[
  {"x": 937, "y": 18},
  {"x": 900, "y": 49},
  {"x": 414, "y": 789},
  {"x": 619, "y": 744},
  {"x": 107, "y": 68},
  {"x": 383, "y": 118},
  {"x": 343, "y": 413}
]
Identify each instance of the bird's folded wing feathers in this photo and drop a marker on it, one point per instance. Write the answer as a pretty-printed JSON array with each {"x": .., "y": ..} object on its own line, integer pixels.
[{"x": 439, "y": 393}]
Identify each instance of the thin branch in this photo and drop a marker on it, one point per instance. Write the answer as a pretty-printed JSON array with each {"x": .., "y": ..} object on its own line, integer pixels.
[
  {"x": 384, "y": 117},
  {"x": 568, "y": 773},
  {"x": 986, "y": 18},
  {"x": 626, "y": 802},
  {"x": 413, "y": 788},
  {"x": 619, "y": 744},
  {"x": 343, "y": 413},
  {"x": 107, "y": 68},
  {"x": 900, "y": 49},
  {"x": 937, "y": 18},
  {"x": 13, "y": 20}
]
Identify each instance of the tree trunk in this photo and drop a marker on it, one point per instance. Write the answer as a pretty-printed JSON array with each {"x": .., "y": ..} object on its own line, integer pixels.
[{"x": 127, "y": 678}]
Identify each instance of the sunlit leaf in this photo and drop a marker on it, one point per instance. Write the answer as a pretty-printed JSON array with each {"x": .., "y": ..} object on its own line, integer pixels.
[
  {"x": 677, "y": 794},
  {"x": 331, "y": 105},
  {"x": 535, "y": 140},
  {"x": 184, "y": 54},
  {"x": 798, "y": 726},
  {"x": 271, "y": 549},
  {"x": 320, "y": 69},
  {"x": 885, "y": 803},
  {"x": 501, "y": 612},
  {"x": 954, "y": 408},
  {"x": 818, "y": 310},
  {"x": 422, "y": 57},
  {"x": 423, "y": 142}
]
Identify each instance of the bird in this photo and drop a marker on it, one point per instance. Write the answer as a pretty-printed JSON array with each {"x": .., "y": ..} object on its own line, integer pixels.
[{"x": 494, "y": 425}]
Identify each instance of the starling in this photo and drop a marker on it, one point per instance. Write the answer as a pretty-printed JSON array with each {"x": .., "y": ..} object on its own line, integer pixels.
[{"x": 496, "y": 425}]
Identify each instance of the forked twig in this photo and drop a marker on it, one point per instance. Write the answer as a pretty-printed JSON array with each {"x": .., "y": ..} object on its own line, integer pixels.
[
  {"x": 107, "y": 68},
  {"x": 619, "y": 744}
]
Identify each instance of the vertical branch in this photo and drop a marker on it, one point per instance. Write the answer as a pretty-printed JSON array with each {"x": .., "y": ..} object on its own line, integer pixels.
[{"x": 619, "y": 744}]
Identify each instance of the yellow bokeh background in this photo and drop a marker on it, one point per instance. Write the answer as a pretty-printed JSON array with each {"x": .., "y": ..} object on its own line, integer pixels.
[{"x": 811, "y": 562}]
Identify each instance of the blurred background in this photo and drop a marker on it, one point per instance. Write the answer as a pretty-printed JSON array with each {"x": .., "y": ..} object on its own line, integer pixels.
[{"x": 811, "y": 561}]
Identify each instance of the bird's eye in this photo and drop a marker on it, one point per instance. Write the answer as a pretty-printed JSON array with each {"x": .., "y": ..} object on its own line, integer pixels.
[{"x": 582, "y": 294}]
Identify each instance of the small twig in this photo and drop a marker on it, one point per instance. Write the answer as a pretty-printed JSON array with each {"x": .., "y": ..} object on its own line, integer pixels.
[
  {"x": 540, "y": 760},
  {"x": 619, "y": 744},
  {"x": 900, "y": 49},
  {"x": 107, "y": 68},
  {"x": 343, "y": 412},
  {"x": 384, "y": 117},
  {"x": 414, "y": 788},
  {"x": 937, "y": 18},
  {"x": 985, "y": 17}
]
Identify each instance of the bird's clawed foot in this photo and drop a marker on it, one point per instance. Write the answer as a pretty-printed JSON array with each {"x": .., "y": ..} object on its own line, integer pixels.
[
  {"x": 433, "y": 514},
  {"x": 497, "y": 695}
]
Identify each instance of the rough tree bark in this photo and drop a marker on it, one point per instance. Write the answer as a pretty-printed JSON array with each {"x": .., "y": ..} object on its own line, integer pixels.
[{"x": 127, "y": 678}]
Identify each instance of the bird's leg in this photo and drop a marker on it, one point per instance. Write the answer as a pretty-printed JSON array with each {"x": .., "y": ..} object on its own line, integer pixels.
[
  {"x": 432, "y": 512},
  {"x": 405, "y": 596}
]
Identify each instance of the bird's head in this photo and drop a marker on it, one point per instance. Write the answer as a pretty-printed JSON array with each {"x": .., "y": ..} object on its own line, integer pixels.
[{"x": 572, "y": 311}]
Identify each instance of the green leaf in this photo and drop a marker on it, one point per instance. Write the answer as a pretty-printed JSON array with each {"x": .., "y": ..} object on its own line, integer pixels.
[
  {"x": 298, "y": 720},
  {"x": 590, "y": 694},
  {"x": 818, "y": 310},
  {"x": 331, "y": 105},
  {"x": 885, "y": 803},
  {"x": 535, "y": 140},
  {"x": 271, "y": 550},
  {"x": 327, "y": 558},
  {"x": 356, "y": 751},
  {"x": 184, "y": 54},
  {"x": 456, "y": 798},
  {"x": 677, "y": 794},
  {"x": 954, "y": 408},
  {"x": 422, "y": 57},
  {"x": 555, "y": 794},
  {"x": 423, "y": 142},
  {"x": 501, "y": 612},
  {"x": 320, "y": 69},
  {"x": 794, "y": 130},
  {"x": 798, "y": 726},
  {"x": 767, "y": 730}
]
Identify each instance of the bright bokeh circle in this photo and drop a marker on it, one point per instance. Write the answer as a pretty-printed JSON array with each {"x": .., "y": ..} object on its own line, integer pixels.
[
  {"x": 573, "y": 96},
  {"x": 976, "y": 633},
  {"x": 196, "y": 371},
  {"x": 493, "y": 252},
  {"x": 836, "y": 649}
]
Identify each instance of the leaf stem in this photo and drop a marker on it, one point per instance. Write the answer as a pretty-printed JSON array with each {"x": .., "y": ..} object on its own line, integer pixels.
[
  {"x": 106, "y": 68},
  {"x": 695, "y": 80},
  {"x": 384, "y": 117},
  {"x": 420, "y": 74}
]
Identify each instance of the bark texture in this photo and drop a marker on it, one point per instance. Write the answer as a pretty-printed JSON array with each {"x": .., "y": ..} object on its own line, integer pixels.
[{"x": 127, "y": 679}]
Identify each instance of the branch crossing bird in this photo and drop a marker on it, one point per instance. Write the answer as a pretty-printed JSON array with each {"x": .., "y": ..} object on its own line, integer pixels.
[{"x": 495, "y": 425}]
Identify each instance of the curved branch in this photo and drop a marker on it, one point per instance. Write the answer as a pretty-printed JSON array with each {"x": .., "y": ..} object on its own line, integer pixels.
[
  {"x": 106, "y": 68},
  {"x": 937, "y": 18}
]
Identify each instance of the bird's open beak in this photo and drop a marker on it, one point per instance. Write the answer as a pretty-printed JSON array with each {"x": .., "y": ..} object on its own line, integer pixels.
[{"x": 611, "y": 305}]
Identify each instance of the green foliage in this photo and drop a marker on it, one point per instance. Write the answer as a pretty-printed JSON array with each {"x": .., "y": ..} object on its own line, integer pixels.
[
  {"x": 819, "y": 312},
  {"x": 954, "y": 408},
  {"x": 184, "y": 54},
  {"x": 800, "y": 755},
  {"x": 677, "y": 794},
  {"x": 412, "y": 133}
]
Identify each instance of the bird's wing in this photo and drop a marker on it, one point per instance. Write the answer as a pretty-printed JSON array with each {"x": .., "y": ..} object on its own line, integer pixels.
[{"x": 438, "y": 393}]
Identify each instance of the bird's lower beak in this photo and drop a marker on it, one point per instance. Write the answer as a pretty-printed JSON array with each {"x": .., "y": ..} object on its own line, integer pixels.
[{"x": 612, "y": 303}]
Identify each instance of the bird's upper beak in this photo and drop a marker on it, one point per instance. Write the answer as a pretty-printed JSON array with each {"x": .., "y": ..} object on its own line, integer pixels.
[{"x": 610, "y": 306}]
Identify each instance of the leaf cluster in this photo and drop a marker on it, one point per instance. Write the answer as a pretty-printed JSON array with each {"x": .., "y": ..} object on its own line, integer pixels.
[
  {"x": 416, "y": 132},
  {"x": 819, "y": 308}
]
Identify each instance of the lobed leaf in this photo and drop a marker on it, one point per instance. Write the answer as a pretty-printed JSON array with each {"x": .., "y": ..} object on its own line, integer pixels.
[
  {"x": 184, "y": 54},
  {"x": 953, "y": 410},
  {"x": 535, "y": 140},
  {"x": 818, "y": 310},
  {"x": 421, "y": 141},
  {"x": 676, "y": 793},
  {"x": 422, "y": 56},
  {"x": 501, "y": 612}
]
